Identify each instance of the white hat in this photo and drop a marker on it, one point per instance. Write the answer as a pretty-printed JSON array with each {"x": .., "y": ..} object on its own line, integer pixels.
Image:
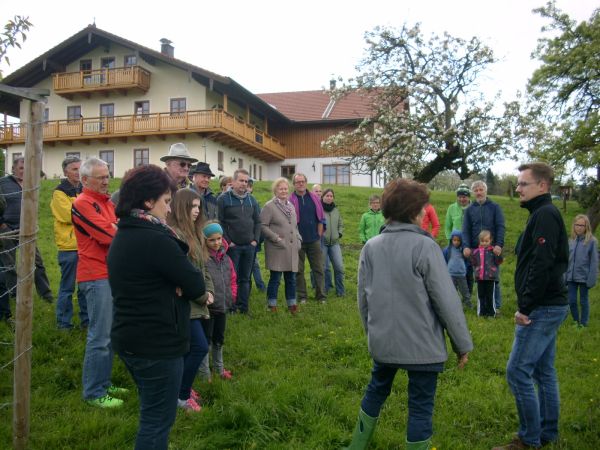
[{"x": 178, "y": 151}]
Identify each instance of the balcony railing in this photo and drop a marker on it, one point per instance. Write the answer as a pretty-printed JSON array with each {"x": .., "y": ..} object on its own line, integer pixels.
[
  {"x": 132, "y": 77},
  {"x": 221, "y": 125}
]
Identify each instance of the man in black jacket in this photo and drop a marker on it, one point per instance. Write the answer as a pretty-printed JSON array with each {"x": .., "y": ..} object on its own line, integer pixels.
[{"x": 542, "y": 257}]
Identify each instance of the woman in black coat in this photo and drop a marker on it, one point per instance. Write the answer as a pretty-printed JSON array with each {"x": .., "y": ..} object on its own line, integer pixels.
[{"x": 152, "y": 282}]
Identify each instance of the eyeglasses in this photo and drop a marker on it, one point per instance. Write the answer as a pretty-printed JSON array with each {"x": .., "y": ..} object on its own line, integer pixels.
[
  {"x": 300, "y": 182},
  {"x": 526, "y": 183},
  {"x": 184, "y": 164}
]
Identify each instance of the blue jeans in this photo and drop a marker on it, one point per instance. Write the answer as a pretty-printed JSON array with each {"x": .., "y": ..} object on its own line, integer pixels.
[
  {"x": 583, "y": 298},
  {"x": 192, "y": 361},
  {"x": 98, "y": 359},
  {"x": 243, "y": 260},
  {"x": 67, "y": 260},
  {"x": 333, "y": 253},
  {"x": 273, "y": 287},
  {"x": 421, "y": 396},
  {"x": 158, "y": 382},
  {"x": 260, "y": 284},
  {"x": 531, "y": 364}
]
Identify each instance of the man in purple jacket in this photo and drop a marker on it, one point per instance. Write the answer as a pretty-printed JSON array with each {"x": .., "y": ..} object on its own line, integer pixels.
[{"x": 311, "y": 218}]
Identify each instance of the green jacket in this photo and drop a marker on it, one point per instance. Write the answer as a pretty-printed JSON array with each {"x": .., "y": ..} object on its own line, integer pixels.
[
  {"x": 335, "y": 227},
  {"x": 454, "y": 219},
  {"x": 370, "y": 224}
]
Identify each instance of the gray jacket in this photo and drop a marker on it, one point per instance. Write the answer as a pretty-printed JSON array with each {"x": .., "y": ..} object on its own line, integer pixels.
[
  {"x": 406, "y": 298},
  {"x": 280, "y": 256},
  {"x": 335, "y": 227}
]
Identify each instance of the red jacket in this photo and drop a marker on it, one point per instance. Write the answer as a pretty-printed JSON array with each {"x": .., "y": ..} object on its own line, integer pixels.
[
  {"x": 94, "y": 221},
  {"x": 431, "y": 218}
]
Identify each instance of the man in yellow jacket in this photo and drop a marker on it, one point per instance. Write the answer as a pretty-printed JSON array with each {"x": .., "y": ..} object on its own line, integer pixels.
[{"x": 62, "y": 199}]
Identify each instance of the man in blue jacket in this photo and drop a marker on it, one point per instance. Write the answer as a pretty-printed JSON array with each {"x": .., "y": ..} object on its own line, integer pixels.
[
  {"x": 542, "y": 258},
  {"x": 483, "y": 214}
]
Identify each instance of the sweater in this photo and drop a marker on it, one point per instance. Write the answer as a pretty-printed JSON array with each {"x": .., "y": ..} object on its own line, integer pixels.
[
  {"x": 94, "y": 219},
  {"x": 239, "y": 218},
  {"x": 150, "y": 320},
  {"x": 542, "y": 257}
]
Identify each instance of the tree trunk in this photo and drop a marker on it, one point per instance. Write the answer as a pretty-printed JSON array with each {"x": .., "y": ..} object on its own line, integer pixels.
[
  {"x": 443, "y": 161},
  {"x": 593, "y": 214}
]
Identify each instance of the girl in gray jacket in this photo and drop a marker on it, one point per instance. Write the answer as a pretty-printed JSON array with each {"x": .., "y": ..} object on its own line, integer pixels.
[{"x": 407, "y": 304}]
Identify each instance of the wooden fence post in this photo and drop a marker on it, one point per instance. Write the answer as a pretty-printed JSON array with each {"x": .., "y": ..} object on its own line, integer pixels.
[{"x": 25, "y": 273}]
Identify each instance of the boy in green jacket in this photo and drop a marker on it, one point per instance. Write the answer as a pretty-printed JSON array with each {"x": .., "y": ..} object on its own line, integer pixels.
[{"x": 371, "y": 221}]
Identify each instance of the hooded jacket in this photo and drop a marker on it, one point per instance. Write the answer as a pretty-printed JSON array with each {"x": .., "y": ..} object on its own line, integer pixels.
[
  {"x": 63, "y": 197},
  {"x": 583, "y": 261}
]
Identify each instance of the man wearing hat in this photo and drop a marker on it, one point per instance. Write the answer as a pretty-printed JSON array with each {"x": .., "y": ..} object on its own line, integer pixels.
[
  {"x": 454, "y": 216},
  {"x": 201, "y": 178},
  {"x": 178, "y": 163}
]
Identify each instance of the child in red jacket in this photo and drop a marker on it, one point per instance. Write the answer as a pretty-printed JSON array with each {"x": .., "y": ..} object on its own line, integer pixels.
[{"x": 485, "y": 270}]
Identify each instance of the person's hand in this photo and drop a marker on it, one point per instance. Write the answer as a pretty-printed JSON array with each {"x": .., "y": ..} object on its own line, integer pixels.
[
  {"x": 463, "y": 359},
  {"x": 467, "y": 252},
  {"x": 178, "y": 291},
  {"x": 210, "y": 300},
  {"x": 497, "y": 250},
  {"x": 522, "y": 319},
  {"x": 279, "y": 239},
  {"x": 253, "y": 243}
]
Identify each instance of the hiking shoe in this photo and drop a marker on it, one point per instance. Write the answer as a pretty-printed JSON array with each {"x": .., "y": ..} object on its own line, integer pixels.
[
  {"x": 293, "y": 309},
  {"x": 195, "y": 396},
  {"x": 273, "y": 308},
  {"x": 189, "y": 405},
  {"x": 105, "y": 402},
  {"x": 515, "y": 444},
  {"x": 226, "y": 374},
  {"x": 48, "y": 297},
  {"x": 114, "y": 390}
]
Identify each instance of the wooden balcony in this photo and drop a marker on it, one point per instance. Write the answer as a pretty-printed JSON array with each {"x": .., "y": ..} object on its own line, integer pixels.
[
  {"x": 215, "y": 124},
  {"x": 103, "y": 80}
]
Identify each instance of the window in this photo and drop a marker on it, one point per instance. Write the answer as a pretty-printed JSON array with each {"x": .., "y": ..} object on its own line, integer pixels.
[
  {"x": 260, "y": 173},
  {"x": 141, "y": 157},
  {"x": 336, "y": 174},
  {"x": 74, "y": 113},
  {"x": 220, "y": 158},
  {"x": 107, "y": 62},
  {"x": 108, "y": 156},
  {"x": 16, "y": 156},
  {"x": 85, "y": 65},
  {"x": 240, "y": 163},
  {"x": 141, "y": 108},
  {"x": 76, "y": 154},
  {"x": 254, "y": 170},
  {"x": 107, "y": 111},
  {"x": 288, "y": 171},
  {"x": 46, "y": 114},
  {"x": 130, "y": 60},
  {"x": 177, "y": 106}
]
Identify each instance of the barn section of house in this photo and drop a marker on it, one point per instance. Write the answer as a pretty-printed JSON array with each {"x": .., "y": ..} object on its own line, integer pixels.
[{"x": 126, "y": 104}]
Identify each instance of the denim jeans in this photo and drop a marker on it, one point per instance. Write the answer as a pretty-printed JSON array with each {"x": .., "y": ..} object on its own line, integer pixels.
[
  {"x": 4, "y": 298},
  {"x": 421, "y": 396},
  {"x": 260, "y": 284},
  {"x": 273, "y": 287},
  {"x": 67, "y": 260},
  {"x": 98, "y": 359},
  {"x": 193, "y": 359},
  {"x": 583, "y": 299},
  {"x": 312, "y": 250},
  {"x": 243, "y": 260},
  {"x": 158, "y": 382},
  {"x": 333, "y": 253},
  {"x": 531, "y": 365}
]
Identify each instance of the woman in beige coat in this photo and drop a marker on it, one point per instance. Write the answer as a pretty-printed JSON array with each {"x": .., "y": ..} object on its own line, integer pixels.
[{"x": 282, "y": 243}]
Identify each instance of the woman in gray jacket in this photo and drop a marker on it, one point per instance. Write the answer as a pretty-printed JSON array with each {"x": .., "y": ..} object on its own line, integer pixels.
[
  {"x": 282, "y": 243},
  {"x": 406, "y": 301}
]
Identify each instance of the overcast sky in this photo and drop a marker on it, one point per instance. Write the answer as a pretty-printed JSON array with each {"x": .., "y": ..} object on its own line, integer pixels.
[{"x": 280, "y": 46}]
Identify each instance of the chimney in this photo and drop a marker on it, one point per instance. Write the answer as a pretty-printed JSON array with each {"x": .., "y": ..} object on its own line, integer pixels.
[
  {"x": 166, "y": 48},
  {"x": 332, "y": 84}
]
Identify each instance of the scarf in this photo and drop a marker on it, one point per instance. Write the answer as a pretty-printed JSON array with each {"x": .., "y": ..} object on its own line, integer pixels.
[
  {"x": 328, "y": 208},
  {"x": 284, "y": 206},
  {"x": 145, "y": 215},
  {"x": 316, "y": 200}
]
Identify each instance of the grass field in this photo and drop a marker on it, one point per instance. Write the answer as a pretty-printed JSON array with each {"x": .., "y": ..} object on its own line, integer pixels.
[{"x": 297, "y": 381}]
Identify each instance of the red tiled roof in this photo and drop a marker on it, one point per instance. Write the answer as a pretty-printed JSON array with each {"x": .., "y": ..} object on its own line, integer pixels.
[{"x": 315, "y": 105}]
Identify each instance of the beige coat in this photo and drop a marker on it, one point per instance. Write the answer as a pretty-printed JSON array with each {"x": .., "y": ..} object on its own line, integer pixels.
[{"x": 280, "y": 256}]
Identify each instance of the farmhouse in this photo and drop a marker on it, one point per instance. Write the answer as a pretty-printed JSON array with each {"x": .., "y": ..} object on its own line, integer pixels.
[{"x": 125, "y": 103}]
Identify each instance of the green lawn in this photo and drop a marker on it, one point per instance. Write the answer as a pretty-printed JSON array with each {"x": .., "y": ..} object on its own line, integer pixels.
[{"x": 297, "y": 381}]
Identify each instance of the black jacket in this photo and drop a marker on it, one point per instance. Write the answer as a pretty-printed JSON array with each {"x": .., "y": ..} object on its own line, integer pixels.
[
  {"x": 12, "y": 193},
  {"x": 542, "y": 257},
  {"x": 145, "y": 265},
  {"x": 240, "y": 218}
]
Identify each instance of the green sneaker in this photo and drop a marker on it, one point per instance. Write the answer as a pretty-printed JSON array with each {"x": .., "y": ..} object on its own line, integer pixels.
[
  {"x": 114, "y": 390},
  {"x": 105, "y": 402}
]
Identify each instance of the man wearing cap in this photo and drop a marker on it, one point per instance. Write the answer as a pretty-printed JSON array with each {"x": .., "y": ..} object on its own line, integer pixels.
[
  {"x": 178, "y": 163},
  {"x": 201, "y": 175},
  {"x": 454, "y": 215},
  {"x": 63, "y": 197}
]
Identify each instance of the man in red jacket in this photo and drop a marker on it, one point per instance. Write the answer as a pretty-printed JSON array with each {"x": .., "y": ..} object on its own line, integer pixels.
[{"x": 94, "y": 221}]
